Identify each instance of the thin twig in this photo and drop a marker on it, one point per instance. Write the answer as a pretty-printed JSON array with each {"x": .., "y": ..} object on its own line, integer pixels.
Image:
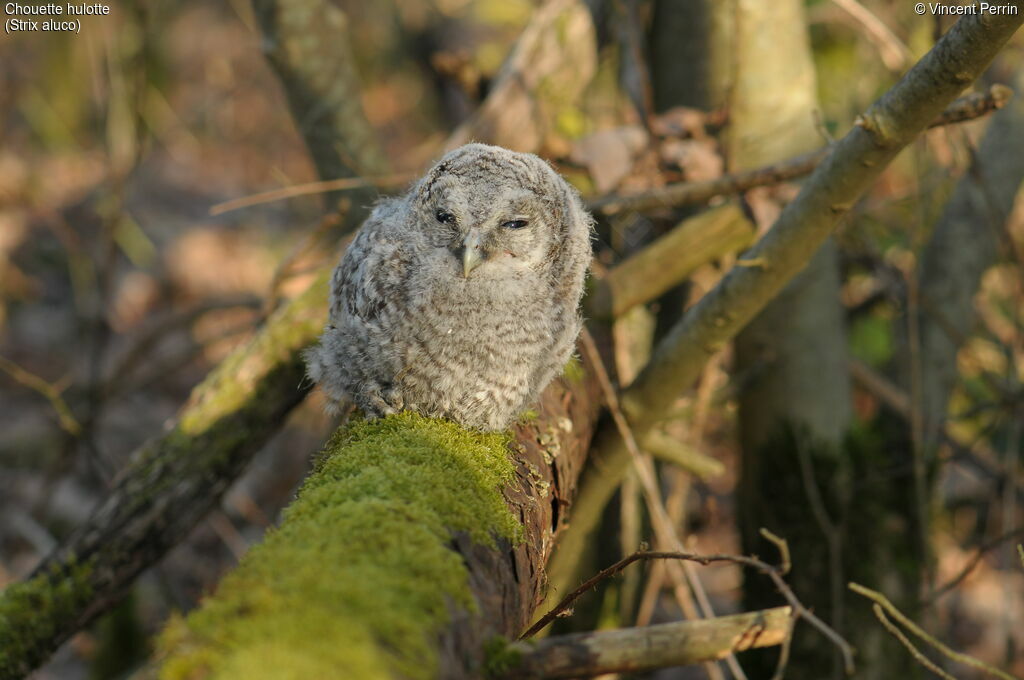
[
  {"x": 972, "y": 564},
  {"x": 905, "y": 641},
  {"x": 974, "y": 105},
  {"x": 829, "y": 531},
  {"x": 966, "y": 108},
  {"x": 894, "y": 52},
  {"x": 49, "y": 391},
  {"x": 785, "y": 563},
  {"x": 664, "y": 530},
  {"x": 787, "y": 645},
  {"x": 380, "y": 181},
  {"x": 902, "y": 618}
]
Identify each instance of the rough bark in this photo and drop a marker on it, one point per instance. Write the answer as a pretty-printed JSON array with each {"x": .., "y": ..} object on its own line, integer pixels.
[
  {"x": 853, "y": 163},
  {"x": 634, "y": 650},
  {"x": 461, "y": 559}
]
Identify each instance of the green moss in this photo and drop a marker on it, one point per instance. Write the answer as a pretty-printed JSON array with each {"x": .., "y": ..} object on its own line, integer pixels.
[
  {"x": 500, "y": 657},
  {"x": 359, "y": 577},
  {"x": 32, "y": 611}
]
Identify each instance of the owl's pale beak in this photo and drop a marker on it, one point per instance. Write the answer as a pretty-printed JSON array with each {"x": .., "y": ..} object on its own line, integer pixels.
[{"x": 472, "y": 254}]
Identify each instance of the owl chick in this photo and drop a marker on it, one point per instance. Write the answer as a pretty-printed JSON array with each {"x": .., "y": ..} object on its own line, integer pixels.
[{"x": 459, "y": 299}]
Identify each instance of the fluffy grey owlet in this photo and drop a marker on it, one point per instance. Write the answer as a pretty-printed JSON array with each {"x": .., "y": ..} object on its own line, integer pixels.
[{"x": 459, "y": 299}]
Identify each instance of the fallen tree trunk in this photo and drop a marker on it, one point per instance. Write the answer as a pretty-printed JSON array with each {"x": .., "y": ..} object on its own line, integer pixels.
[{"x": 413, "y": 544}]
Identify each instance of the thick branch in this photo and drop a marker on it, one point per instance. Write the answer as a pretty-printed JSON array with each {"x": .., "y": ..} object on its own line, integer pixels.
[
  {"x": 633, "y": 650},
  {"x": 853, "y": 163},
  {"x": 669, "y": 260},
  {"x": 401, "y": 552},
  {"x": 177, "y": 477}
]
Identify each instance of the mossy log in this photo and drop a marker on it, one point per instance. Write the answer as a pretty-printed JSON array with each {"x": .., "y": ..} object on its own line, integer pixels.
[{"x": 412, "y": 544}]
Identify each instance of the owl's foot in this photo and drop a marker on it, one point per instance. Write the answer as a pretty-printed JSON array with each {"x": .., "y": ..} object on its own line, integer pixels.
[{"x": 384, "y": 401}]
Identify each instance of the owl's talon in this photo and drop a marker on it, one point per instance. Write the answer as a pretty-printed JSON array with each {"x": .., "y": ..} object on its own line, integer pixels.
[{"x": 386, "y": 402}]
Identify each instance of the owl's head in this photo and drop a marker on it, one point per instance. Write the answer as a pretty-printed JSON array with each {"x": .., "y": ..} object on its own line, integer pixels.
[{"x": 499, "y": 213}]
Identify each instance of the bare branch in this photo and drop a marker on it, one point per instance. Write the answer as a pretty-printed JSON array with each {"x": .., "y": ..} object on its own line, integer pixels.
[
  {"x": 853, "y": 163},
  {"x": 680, "y": 643},
  {"x": 48, "y": 390},
  {"x": 775, "y": 573},
  {"x": 667, "y": 261},
  {"x": 345, "y": 183},
  {"x": 905, "y": 641},
  {"x": 881, "y": 600},
  {"x": 966, "y": 108},
  {"x": 894, "y": 52},
  {"x": 979, "y": 554}
]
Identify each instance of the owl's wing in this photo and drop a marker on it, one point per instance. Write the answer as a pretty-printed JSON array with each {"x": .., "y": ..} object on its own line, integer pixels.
[{"x": 371, "y": 275}]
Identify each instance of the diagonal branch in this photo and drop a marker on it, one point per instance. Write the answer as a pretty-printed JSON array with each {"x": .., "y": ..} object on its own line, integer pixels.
[
  {"x": 852, "y": 164},
  {"x": 968, "y": 107}
]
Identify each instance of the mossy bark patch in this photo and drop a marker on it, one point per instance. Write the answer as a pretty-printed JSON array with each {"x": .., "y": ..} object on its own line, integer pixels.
[
  {"x": 359, "y": 578},
  {"x": 30, "y": 610}
]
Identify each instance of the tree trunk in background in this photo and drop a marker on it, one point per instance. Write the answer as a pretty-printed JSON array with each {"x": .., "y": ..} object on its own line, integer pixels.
[
  {"x": 690, "y": 53},
  {"x": 963, "y": 245},
  {"x": 791, "y": 360}
]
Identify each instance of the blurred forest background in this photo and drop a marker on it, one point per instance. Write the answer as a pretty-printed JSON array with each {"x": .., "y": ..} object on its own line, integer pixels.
[{"x": 895, "y": 361}]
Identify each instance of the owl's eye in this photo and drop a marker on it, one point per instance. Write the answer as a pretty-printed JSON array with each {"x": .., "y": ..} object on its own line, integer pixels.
[
  {"x": 515, "y": 224},
  {"x": 445, "y": 217}
]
